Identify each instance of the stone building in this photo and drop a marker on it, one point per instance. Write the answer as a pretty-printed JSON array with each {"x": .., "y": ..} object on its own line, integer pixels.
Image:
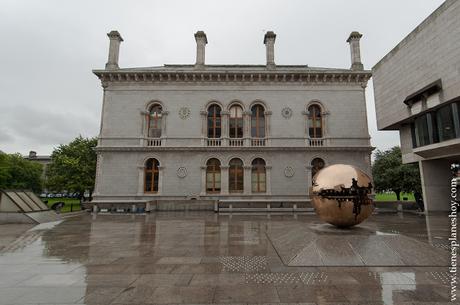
[
  {"x": 245, "y": 132},
  {"x": 417, "y": 91}
]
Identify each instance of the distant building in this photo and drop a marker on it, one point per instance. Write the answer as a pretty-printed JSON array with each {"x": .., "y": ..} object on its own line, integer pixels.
[
  {"x": 249, "y": 132},
  {"x": 42, "y": 159},
  {"x": 417, "y": 91}
]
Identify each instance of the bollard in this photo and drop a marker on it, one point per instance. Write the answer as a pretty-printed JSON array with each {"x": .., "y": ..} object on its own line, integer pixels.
[
  {"x": 95, "y": 208},
  {"x": 133, "y": 208}
]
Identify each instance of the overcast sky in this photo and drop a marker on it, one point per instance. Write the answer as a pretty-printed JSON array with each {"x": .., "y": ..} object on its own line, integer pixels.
[{"x": 48, "y": 94}]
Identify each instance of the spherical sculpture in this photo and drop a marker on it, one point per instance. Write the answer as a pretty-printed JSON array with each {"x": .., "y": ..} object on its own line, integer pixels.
[{"x": 340, "y": 195}]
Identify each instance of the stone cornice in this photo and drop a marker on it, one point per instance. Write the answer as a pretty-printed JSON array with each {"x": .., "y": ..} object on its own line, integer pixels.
[
  {"x": 222, "y": 148},
  {"x": 312, "y": 77}
]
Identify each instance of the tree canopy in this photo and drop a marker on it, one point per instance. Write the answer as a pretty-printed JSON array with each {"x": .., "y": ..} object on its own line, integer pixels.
[
  {"x": 391, "y": 175},
  {"x": 73, "y": 166},
  {"x": 19, "y": 173}
]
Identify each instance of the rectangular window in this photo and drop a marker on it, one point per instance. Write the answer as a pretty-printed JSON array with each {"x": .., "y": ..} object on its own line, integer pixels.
[
  {"x": 421, "y": 131},
  {"x": 445, "y": 121}
]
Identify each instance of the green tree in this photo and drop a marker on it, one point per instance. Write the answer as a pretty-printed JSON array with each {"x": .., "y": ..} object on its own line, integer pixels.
[
  {"x": 19, "y": 173},
  {"x": 73, "y": 167},
  {"x": 391, "y": 175}
]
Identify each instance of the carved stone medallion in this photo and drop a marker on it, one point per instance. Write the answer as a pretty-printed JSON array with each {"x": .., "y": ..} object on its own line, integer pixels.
[
  {"x": 181, "y": 172},
  {"x": 184, "y": 113},
  {"x": 286, "y": 112},
  {"x": 289, "y": 171}
]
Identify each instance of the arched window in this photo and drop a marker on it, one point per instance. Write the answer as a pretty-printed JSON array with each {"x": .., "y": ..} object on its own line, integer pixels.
[
  {"x": 154, "y": 121},
  {"x": 214, "y": 121},
  {"x": 258, "y": 177},
  {"x": 213, "y": 176},
  {"x": 316, "y": 165},
  {"x": 315, "y": 122},
  {"x": 235, "y": 176},
  {"x": 151, "y": 174},
  {"x": 236, "y": 122},
  {"x": 257, "y": 121}
]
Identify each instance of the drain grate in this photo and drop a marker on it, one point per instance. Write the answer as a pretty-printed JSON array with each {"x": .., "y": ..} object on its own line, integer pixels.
[
  {"x": 243, "y": 263},
  {"x": 308, "y": 278},
  {"x": 272, "y": 278},
  {"x": 313, "y": 278},
  {"x": 442, "y": 246},
  {"x": 441, "y": 276}
]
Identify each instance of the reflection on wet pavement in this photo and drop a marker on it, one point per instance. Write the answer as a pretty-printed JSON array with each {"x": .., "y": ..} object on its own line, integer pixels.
[{"x": 202, "y": 258}]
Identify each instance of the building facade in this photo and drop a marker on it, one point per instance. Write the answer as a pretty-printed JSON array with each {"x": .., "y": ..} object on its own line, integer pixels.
[
  {"x": 417, "y": 91},
  {"x": 227, "y": 131}
]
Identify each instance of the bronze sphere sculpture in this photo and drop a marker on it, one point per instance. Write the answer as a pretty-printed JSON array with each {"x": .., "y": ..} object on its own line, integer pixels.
[{"x": 340, "y": 195}]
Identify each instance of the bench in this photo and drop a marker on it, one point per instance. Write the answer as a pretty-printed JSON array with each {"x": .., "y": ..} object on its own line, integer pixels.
[{"x": 265, "y": 205}]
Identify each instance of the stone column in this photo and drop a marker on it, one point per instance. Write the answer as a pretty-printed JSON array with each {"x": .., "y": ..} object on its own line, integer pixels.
[
  {"x": 160, "y": 179},
  {"x": 353, "y": 40},
  {"x": 114, "y": 50},
  {"x": 204, "y": 123},
  {"x": 308, "y": 169},
  {"x": 268, "y": 115},
  {"x": 305, "y": 114},
  {"x": 224, "y": 179},
  {"x": 225, "y": 126},
  {"x": 164, "y": 116},
  {"x": 203, "y": 180},
  {"x": 268, "y": 175},
  {"x": 201, "y": 41},
  {"x": 140, "y": 185},
  {"x": 247, "y": 179},
  {"x": 247, "y": 128},
  {"x": 97, "y": 182},
  {"x": 269, "y": 42}
]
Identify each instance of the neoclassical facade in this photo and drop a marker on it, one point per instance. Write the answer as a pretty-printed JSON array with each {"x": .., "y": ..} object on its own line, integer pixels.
[{"x": 227, "y": 131}]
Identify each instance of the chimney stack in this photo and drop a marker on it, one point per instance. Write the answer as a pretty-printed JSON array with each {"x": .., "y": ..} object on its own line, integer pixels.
[
  {"x": 269, "y": 42},
  {"x": 32, "y": 154},
  {"x": 114, "y": 50},
  {"x": 201, "y": 41},
  {"x": 353, "y": 40}
]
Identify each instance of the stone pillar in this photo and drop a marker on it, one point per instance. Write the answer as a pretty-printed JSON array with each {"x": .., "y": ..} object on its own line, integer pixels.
[
  {"x": 247, "y": 128},
  {"x": 353, "y": 40},
  {"x": 436, "y": 182},
  {"x": 201, "y": 41},
  {"x": 305, "y": 114},
  {"x": 140, "y": 184},
  {"x": 309, "y": 182},
  {"x": 247, "y": 179},
  {"x": 225, "y": 126},
  {"x": 325, "y": 118},
  {"x": 268, "y": 115},
  {"x": 164, "y": 116},
  {"x": 114, "y": 50},
  {"x": 161, "y": 170},
  {"x": 97, "y": 186},
  {"x": 203, "y": 180},
  {"x": 224, "y": 179},
  {"x": 269, "y": 42},
  {"x": 268, "y": 173},
  {"x": 204, "y": 126}
]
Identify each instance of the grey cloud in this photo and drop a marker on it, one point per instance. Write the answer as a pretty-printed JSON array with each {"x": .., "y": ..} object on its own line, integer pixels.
[{"x": 48, "y": 94}]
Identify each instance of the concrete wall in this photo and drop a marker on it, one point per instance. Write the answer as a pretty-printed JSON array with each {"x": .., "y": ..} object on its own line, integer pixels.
[
  {"x": 436, "y": 181},
  {"x": 429, "y": 53}
]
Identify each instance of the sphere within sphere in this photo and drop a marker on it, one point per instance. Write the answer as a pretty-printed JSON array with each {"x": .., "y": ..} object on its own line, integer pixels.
[{"x": 340, "y": 195}]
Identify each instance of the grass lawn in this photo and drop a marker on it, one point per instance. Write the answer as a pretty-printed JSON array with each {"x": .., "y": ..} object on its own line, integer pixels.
[
  {"x": 392, "y": 196},
  {"x": 70, "y": 203}
]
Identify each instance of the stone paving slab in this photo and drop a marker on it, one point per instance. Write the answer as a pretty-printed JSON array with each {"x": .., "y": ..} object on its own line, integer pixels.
[{"x": 306, "y": 245}]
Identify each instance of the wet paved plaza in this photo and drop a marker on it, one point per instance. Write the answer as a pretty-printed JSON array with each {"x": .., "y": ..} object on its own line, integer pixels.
[{"x": 203, "y": 258}]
